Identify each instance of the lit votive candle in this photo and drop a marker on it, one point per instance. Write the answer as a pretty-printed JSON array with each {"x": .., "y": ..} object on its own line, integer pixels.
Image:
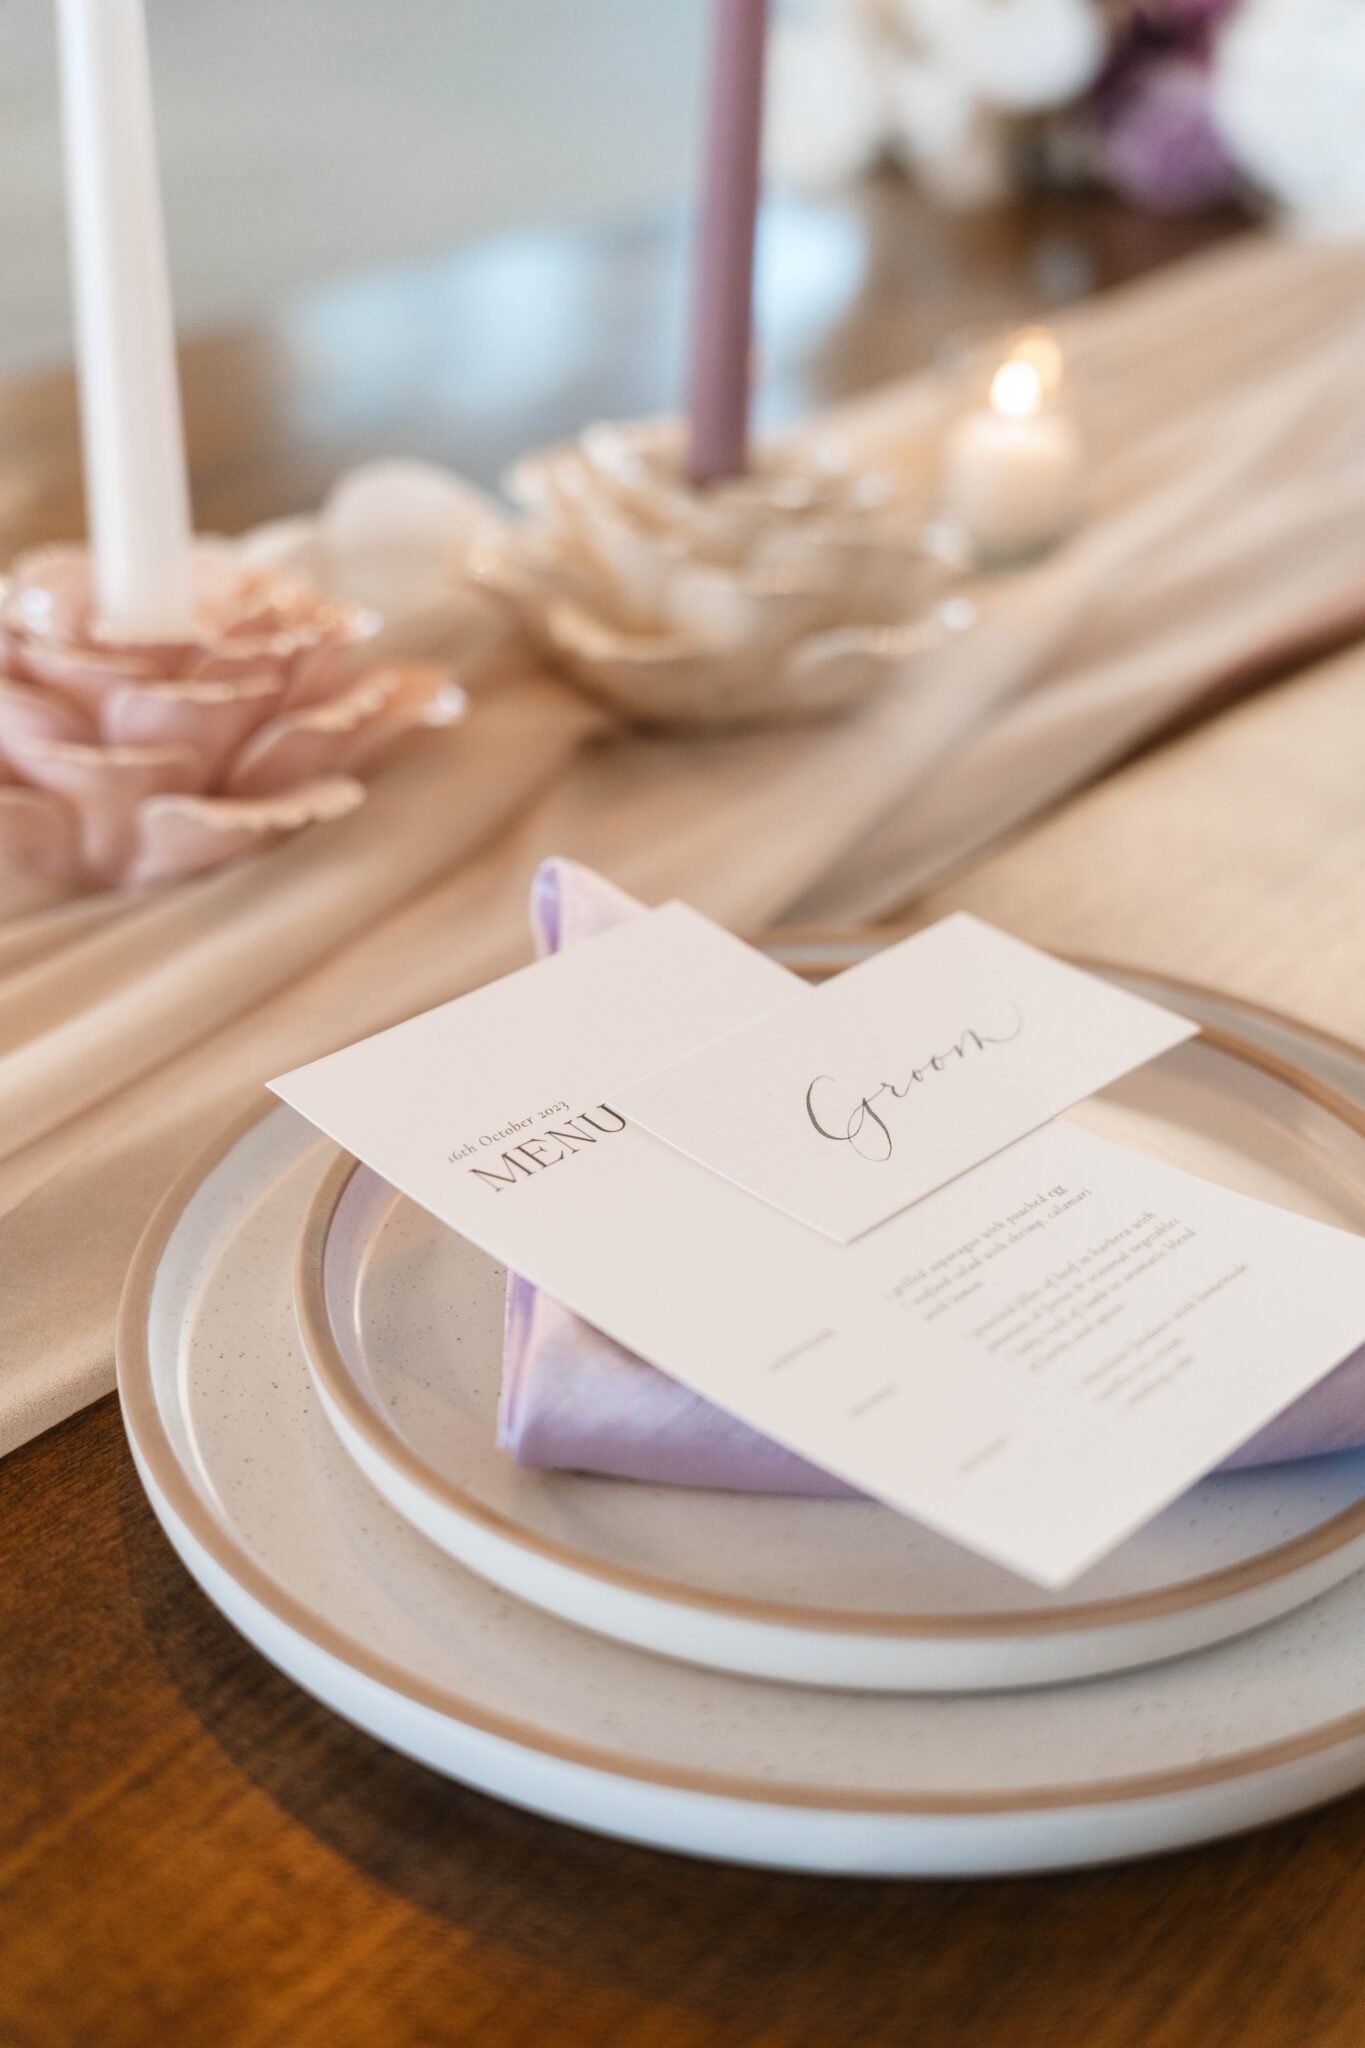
[{"x": 1012, "y": 469}]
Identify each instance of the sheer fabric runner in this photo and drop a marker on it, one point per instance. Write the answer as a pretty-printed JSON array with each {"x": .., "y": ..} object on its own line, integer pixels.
[{"x": 1226, "y": 537}]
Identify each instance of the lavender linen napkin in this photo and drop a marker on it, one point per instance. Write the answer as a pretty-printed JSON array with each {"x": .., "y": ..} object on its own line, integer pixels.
[{"x": 574, "y": 1399}]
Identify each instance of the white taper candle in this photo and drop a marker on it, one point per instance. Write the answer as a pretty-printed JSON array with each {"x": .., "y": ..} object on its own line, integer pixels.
[{"x": 136, "y": 483}]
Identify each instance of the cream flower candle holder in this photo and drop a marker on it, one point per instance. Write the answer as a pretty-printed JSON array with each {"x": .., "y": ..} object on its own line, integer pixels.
[
  {"x": 788, "y": 593},
  {"x": 126, "y": 761}
]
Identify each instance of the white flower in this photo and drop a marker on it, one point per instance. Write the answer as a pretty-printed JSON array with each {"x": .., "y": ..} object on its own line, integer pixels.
[
  {"x": 825, "y": 119},
  {"x": 941, "y": 130},
  {"x": 933, "y": 81},
  {"x": 1022, "y": 56},
  {"x": 1289, "y": 100},
  {"x": 397, "y": 536}
]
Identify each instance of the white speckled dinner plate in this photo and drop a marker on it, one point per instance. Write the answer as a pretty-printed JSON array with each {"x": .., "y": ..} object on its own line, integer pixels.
[
  {"x": 290, "y": 1542},
  {"x": 402, "y": 1323}
]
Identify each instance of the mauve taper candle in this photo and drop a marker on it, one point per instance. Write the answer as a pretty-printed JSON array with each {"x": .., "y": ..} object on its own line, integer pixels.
[{"x": 722, "y": 310}]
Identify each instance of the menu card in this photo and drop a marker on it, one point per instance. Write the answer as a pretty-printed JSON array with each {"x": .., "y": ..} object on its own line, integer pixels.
[{"x": 1033, "y": 1354}]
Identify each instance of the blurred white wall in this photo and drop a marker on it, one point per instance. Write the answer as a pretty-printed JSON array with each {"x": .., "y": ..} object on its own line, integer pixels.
[{"x": 301, "y": 139}]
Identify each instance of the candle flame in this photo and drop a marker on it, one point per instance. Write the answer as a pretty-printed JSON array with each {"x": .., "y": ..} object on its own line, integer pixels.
[
  {"x": 1016, "y": 390},
  {"x": 1040, "y": 348}
]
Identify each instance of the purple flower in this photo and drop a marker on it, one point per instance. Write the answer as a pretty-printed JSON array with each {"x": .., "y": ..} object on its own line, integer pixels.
[{"x": 1157, "y": 138}]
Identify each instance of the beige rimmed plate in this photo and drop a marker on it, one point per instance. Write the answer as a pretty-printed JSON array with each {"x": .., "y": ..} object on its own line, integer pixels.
[
  {"x": 402, "y": 1325},
  {"x": 293, "y": 1546}
]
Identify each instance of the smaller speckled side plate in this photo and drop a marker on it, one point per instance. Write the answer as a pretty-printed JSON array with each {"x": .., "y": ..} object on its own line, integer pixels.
[
  {"x": 290, "y": 1542},
  {"x": 402, "y": 1322}
]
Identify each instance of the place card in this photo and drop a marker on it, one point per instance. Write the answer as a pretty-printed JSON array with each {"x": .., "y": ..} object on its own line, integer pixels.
[
  {"x": 1033, "y": 1359},
  {"x": 895, "y": 1077}
]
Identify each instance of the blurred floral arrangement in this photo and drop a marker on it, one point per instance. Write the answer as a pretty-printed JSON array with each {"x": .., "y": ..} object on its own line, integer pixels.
[{"x": 1177, "y": 105}]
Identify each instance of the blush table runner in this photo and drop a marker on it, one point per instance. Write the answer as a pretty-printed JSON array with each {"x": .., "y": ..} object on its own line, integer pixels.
[{"x": 1225, "y": 544}]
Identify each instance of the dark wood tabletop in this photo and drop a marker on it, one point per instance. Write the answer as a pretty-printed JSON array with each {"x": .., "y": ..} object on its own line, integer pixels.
[
  {"x": 193, "y": 1852},
  {"x": 518, "y": 340}
]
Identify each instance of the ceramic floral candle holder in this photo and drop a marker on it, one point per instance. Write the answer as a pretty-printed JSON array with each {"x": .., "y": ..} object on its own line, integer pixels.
[
  {"x": 785, "y": 594},
  {"x": 131, "y": 761}
]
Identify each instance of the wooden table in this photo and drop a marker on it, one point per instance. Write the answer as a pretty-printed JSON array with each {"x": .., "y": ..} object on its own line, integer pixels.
[
  {"x": 518, "y": 340},
  {"x": 191, "y": 1852}
]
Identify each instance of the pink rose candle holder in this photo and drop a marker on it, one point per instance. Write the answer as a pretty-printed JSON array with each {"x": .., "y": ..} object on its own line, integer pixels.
[
  {"x": 168, "y": 704},
  {"x": 126, "y": 761}
]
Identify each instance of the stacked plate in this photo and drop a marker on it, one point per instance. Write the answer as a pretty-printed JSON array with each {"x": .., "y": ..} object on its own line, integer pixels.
[{"x": 309, "y": 1370}]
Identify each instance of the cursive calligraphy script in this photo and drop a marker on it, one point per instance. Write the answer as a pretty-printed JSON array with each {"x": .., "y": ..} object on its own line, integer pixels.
[{"x": 865, "y": 1128}]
